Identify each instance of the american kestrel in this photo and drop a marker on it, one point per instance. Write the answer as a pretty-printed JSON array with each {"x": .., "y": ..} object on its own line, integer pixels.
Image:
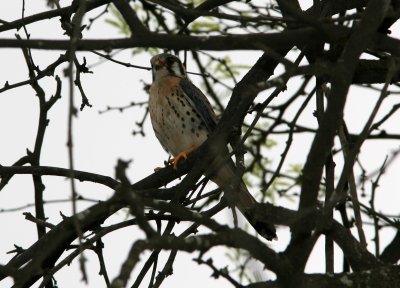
[{"x": 182, "y": 119}]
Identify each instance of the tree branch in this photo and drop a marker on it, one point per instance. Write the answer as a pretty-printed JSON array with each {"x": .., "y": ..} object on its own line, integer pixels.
[{"x": 134, "y": 23}]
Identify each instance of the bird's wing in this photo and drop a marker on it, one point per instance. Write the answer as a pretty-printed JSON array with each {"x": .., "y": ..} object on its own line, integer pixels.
[{"x": 200, "y": 102}]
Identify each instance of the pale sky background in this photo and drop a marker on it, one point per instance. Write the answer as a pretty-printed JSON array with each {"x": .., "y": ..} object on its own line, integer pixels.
[{"x": 99, "y": 140}]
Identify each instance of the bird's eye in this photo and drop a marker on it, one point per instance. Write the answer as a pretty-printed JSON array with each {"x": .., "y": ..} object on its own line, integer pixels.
[{"x": 170, "y": 61}]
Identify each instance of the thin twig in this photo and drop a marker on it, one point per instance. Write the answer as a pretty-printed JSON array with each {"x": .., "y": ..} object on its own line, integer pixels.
[{"x": 76, "y": 35}]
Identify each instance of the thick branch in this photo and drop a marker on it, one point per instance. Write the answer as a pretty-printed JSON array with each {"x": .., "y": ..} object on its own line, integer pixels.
[
  {"x": 255, "y": 41},
  {"x": 391, "y": 254},
  {"x": 136, "y": 26},
  {"x": 17, "y": 24},
  {"x": 342, "y": 76},
  {"x": 357, "y": 254},
  {"x": 382, "y": 277},
  {"x": 56, "y": 171}
]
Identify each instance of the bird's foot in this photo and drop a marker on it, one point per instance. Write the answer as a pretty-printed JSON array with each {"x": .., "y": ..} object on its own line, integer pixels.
[{"x": 183, "y": 154}]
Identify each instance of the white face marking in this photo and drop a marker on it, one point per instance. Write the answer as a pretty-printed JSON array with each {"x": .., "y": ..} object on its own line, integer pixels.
[{"x": 178, "y": 69}]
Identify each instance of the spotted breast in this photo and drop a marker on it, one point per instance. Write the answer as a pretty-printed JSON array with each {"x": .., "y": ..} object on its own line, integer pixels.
[{"x": 176, "y": 123}]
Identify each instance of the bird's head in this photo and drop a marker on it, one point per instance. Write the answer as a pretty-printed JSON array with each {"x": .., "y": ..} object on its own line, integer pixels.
[{"x": 166, "y": 64}]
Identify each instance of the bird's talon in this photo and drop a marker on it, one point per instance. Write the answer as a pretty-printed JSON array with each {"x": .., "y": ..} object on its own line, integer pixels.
[
  {"x": 184, "y": 154},
  {"x": 174, "y": 162}
]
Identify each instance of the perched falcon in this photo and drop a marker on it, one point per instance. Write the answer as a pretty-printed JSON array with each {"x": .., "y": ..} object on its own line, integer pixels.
[{"x": 182, "y": 119}]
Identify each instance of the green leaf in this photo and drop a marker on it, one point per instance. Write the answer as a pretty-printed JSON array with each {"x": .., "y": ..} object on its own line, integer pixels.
[
  {"x": 118, "y": 22},
  {"x": 204, "y": 26}
]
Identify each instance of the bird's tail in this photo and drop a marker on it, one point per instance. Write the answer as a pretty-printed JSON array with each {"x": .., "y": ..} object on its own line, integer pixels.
[{"x": 240, "y": 197}]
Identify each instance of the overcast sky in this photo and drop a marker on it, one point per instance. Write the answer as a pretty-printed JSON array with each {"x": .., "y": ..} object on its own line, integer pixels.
[{"x": 99, "y": 140}]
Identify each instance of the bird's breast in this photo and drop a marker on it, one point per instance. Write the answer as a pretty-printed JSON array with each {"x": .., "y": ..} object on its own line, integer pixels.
[{"x": 176, "y": 123}]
